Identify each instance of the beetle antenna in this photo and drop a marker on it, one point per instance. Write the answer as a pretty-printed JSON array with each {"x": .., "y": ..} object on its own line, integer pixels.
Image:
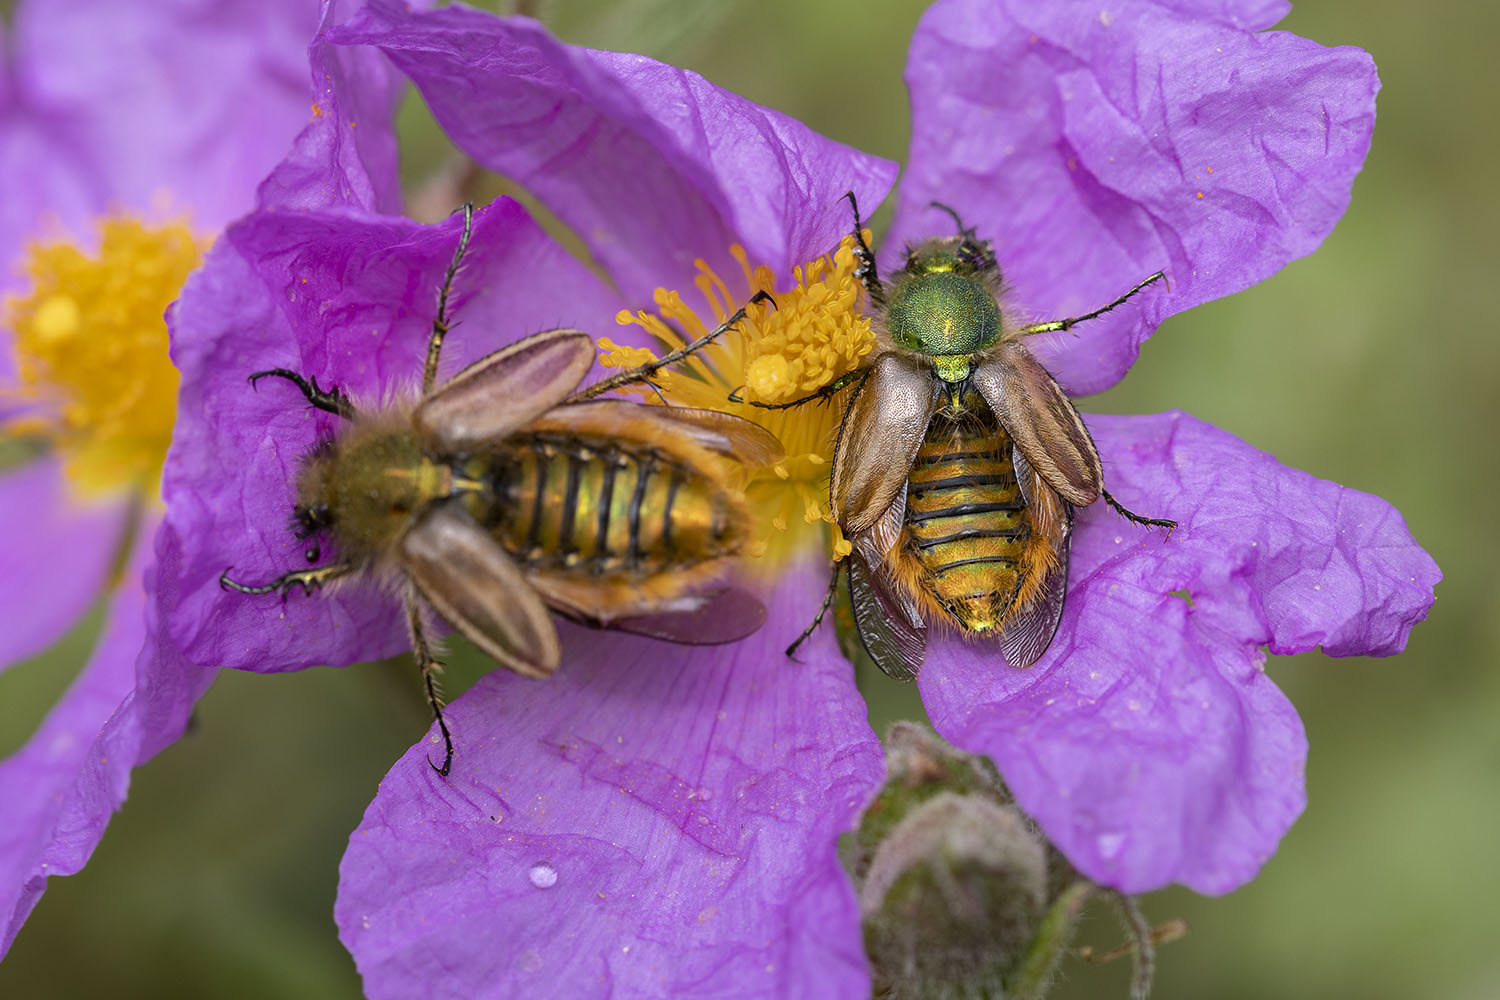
[{"x": 965, "y": 231}]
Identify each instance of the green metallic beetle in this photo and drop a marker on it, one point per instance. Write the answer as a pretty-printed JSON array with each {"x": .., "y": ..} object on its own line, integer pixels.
[{"x": 959, "y": 462}]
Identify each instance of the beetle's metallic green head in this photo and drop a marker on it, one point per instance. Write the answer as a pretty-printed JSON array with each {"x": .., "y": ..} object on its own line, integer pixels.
[{"x": 941, "y": 305}]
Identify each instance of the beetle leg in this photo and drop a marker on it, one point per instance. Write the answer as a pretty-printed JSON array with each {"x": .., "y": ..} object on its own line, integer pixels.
[
  {"x": 1150, "y": 522},
  {"x": 440, "y": 325},
  {"x": 865, "y": 272},
  {"x": 1072, "y": 321},
  {"x": 331, "y": 400},
  {"x": 833, "y": 586},
  {"x": 848, "y": 378},
  {"x": 308, "y": 579},
  {"x": 644, "y": 372},
  {"x": 431, "y": 667}
]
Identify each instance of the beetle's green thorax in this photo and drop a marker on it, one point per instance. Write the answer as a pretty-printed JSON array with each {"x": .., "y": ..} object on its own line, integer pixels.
[{"x": 942, "y": 312}]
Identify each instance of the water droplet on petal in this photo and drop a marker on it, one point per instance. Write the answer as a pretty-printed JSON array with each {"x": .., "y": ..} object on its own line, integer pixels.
[
  {"x": 542, "y": 875},
  {"x": 1110, "y": 844}
]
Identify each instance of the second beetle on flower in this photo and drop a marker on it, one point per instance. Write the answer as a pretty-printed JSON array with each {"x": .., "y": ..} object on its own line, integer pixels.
[{"x": 959, "y": 462}]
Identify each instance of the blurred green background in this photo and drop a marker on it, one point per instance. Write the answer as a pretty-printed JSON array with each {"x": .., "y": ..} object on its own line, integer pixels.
[{"x": 1372, "y": 363}]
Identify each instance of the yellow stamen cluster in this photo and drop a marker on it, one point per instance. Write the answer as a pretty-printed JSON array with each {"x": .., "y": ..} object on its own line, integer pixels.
[
  {"x": 789, "y": 356},
  {"x": 815, "y": 333},
  {"x": 91, "y": 352}
]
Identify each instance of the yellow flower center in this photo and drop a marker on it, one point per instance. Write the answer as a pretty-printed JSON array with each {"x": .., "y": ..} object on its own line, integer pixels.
[
  {"x": 91, "y": 352},
  {"x": 815, "y": 333}
]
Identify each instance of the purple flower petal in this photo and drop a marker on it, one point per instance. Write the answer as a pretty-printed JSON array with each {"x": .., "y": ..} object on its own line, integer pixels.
[
  {"x": 652, "y": 165},
  {"x": 62, "y": 787},
  {"x": 1251, "y": 15},
  {"x": 41, "y": 529},
  {"x": 1148, "y": 742},
  {"x": 349, "y": 301},
  {"x": 36, "y": 781},
  {"x": 346, "y": 155},
  {"x": 1096, "y": 146},
  {"x": 32, "y": 161},
  {"x": 653, "y": 820},
  {"x": 219, "y": 86}
]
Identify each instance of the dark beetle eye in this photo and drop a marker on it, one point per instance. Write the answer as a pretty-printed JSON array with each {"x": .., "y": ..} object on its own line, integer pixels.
[{"x": 313, "y": 553}]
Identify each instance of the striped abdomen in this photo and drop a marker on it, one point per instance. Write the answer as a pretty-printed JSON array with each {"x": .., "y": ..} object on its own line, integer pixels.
[
  {"x": 966, "y": 523},
  {"x": 605, "y": 507}
]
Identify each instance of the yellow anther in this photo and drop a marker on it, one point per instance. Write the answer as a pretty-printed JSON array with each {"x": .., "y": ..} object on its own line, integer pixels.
[
  {"x": 57, "y": 319},
  {"x": 814, "y": 334},
  {"x": 770, "y": 376},
  {"x": 623, "y": 355},
  {"x": 91, "y": 351}
]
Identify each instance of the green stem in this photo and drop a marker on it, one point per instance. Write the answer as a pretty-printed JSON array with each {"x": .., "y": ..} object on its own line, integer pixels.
[{"x": 1052, "y": 941}]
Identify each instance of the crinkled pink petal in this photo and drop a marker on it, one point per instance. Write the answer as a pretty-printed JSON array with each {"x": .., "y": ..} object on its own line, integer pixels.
[
  {"x": 652, "y": 821},
  {"x": 1096, "y": 145},
  {"x": 349, "y": 301},
  {"x": 60, "y": 790},
  {"x": 1148, "y": 741},
  {"x": 652, "y": 165},
  {"x": 41, "y": 530}
]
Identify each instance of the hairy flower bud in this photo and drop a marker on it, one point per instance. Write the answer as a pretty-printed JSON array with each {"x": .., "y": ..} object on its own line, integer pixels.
[
  {"x": 952, "y": 898},
  {"x": 960, "y": 893},
  {"x": 952, "y": 878}
]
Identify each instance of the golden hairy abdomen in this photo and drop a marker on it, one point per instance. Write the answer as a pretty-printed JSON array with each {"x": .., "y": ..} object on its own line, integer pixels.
[{"x": 967, "y": 526}]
